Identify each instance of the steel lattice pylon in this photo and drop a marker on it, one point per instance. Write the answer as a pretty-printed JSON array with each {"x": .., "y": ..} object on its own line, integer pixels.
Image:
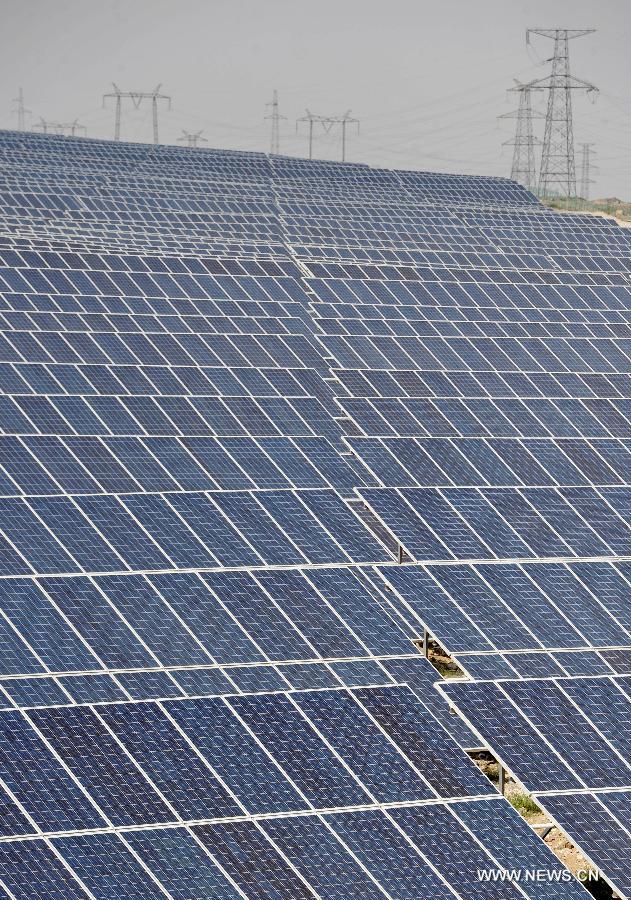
[
  {"x": 558, "y": 171},
  {"x": 523, "y": 168}
]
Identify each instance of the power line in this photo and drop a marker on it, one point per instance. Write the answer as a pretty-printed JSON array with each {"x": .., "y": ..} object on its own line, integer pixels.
[
  {"x": 558, "y": 173},
  {"x": 136, "y": 98},
  {"x": 275, "y": 118}
]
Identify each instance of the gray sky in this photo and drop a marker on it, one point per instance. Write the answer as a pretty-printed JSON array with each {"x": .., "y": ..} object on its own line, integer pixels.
[{"x": 427, "y": 78}]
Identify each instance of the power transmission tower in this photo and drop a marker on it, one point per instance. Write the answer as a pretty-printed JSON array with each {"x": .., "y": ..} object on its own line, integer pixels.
[
  {"x": 75, "y": 128},
  {"x": 136, "y": 98},
  {"x": 192, "y": 138},
  {"x": 558, "y": 172},
  {"x": 327, "y": 123},
  {"x": 586, "y": 169},
  {"x": 523, "y": 168},
  {"x": 20, "y": 110},
  {"x": 345, "y": 120},
  {"x": 275, "y": 117},
  {"x": 70, "y": 129}
]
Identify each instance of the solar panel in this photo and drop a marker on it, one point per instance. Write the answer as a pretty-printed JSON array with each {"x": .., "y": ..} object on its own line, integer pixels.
[
  {"x": 599, "y": 825},
  {"x": 558, "y": 719},
  {"x": 237, "y": 392}
]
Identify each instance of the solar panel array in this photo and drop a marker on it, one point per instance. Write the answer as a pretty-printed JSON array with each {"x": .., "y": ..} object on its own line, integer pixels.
[{"x": 266, "y": 425}]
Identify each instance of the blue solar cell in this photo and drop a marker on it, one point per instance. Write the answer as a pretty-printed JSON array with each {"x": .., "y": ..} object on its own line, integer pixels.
[
  {"x": 162, "y": 523},
  {"x": 25, "y": 692},
  {"x": 452, "y": 530},
  {"x": 435, "y": 608},
  {"x": 618, "y": 804},
  {"x": 311, "y": 613},
  {"x": 448, "y": 846},
  {"x": 601, "y": 837},
  {"x": 531, "y": 605},
  {"x": 296, "y": 746},
  {"x": 486, "y": 666},
  {"x": 39, "y": 782},
  {"x": 570, "y": 733},
  {"x": 257, "y": 679},
  {"x": 574, "y": 531},
  {"x": 152, "y": 621},
  {"x": 344, "y": 526},
  {"x": 309, "y": 677},
  {"x": 360, "y": 672},
  {"x": 317, "y": 854},
  {"x": 97, "y": 621},
  {"x": 101, "y": 765},
  {"x": 221, "y": 465},
  {"x": 149, "y": 685},
  {"x": 76, "y": 534},
  {"x": 52, "y": 639},
  {"x": 181, "y": 864},
  {"x": 207, "y": 618},
  {"x": 227, "y": 543},
  {"x": 101, "y": 464},
  {"x": 251, "y": 860},
  {"x": 303, "y": 528},
  {"x": 248, "y": 770},
  {"x": 118, "y": 873},
  {"x": 401, "y": 519},
  {"x": 92, "y": 688},
  {"x": 484, "y": 608},
  {"x": 32, "y": 539},
  {"x": 381, "y": 848},
  {"x": 31, "y": 868},
  {"x": 379, "y": 765},
  {"x": 610, "y": 527},
  {"x": 580, "y": 606},
  {"x": 355, "y": 598},
  {"x": 24, "y": 469},
  {"x": 263, "y": 622},
  {"x": 169, "y": 761},
  {"x": 122, "y": 531},
  {"x": 450, "y": 773},
  {"x": 513, "y": 739},
  {"x": 493, "y": 821},
  {"x": 250, "y": 519},
  {"x": 534, "y": 531}
]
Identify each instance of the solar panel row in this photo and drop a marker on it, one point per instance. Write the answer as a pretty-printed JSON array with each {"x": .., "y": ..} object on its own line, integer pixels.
[{"x": 234, "y": 384}]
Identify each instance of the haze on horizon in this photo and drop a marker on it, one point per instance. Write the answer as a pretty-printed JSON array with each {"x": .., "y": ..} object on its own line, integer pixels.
[{"x": 427, "y": 80}]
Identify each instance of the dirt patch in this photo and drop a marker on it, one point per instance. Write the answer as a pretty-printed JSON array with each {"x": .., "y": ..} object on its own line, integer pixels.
[
  {"x": 441, "y": 660},
  {"x": 569, "y": 855}
]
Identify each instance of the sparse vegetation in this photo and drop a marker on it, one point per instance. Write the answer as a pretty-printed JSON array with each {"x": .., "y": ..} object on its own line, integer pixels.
[
  {"x": 524, "y": 804},
  {"x": 610, "y": 206}
]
